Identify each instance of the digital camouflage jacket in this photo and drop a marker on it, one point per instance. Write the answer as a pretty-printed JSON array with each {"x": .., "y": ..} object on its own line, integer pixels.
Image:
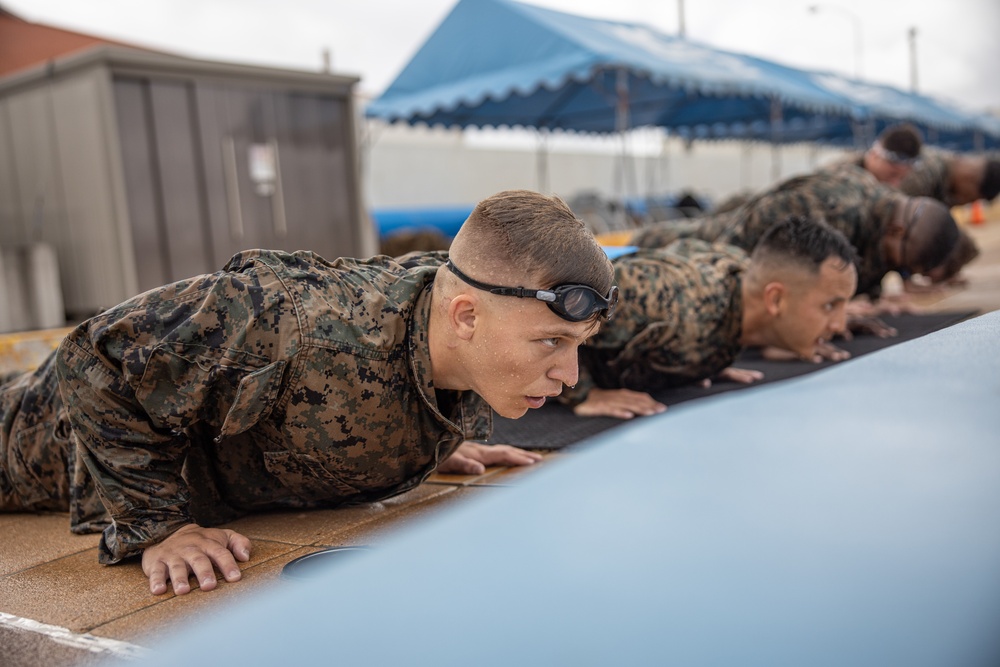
[
  {"x": 849, "y": 199},
  {"x": 679, "y": 319},
  {"x": 283, "y": 381},
  {"x": 929, "y": 177}
]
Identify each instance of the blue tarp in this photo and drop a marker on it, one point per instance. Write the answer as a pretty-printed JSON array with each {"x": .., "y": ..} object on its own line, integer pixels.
[
  {"x": 445, "y": 219},
  {"x": 503, "y": 63}
]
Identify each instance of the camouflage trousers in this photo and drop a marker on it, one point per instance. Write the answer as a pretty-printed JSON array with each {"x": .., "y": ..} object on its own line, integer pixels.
[{"x": 34, "y": 443}]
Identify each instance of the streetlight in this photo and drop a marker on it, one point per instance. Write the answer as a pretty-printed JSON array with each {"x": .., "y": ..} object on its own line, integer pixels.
[{"x": 815, "y": 9}]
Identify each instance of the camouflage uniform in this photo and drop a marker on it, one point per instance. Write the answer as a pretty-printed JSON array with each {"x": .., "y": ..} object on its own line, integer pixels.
[
  {"x": 851, "y": 160},
  {"x": 850, "y": 199},
  {"x": 679, "y": 319},
  {"x": 283, "y": 381},
  {"x": 929, "y": 178}
]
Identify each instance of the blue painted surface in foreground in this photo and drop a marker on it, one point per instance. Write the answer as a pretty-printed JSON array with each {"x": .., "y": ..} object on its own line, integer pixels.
[{"x": 850, "y": 517}]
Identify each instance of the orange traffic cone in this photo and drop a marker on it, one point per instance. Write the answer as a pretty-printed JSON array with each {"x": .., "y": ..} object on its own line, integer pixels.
[{"x": 976, "y": 216}]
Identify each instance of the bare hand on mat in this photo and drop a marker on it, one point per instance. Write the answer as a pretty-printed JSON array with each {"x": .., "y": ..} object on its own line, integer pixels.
[
  {"x": 869, "y": 325},
  {"x": 620, "y": 403},
  {"x": 471, "y": 458},
  {"x": 194, "y": 550},
  {"x": 822, "y": 352},
  {"x": 740, "y": 375}
]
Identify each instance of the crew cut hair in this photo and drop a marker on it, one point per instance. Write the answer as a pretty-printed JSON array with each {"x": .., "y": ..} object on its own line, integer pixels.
[
  {"x": 802, "y": 242},
  {"x": 965, "y": 251},
  {"x": 933, "y": 236},
  {"x": 541, "y": 237},
  {"x": 989, "y": 187},
  {"x": 902, "y": 139}
]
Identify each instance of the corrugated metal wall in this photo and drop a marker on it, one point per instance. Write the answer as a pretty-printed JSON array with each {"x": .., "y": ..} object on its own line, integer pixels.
[
  {"x": 212, "y": 169},
  {"x": 58, "y": 188},
  {"x": 141, "y": 169}
]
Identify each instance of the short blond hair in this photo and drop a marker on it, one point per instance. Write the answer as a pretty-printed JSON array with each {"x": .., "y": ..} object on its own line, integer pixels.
[{"x": 527, "y": 236}]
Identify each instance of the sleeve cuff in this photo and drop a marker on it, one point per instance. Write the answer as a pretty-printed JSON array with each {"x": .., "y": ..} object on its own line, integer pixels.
[{"x": 129, "y": 536}]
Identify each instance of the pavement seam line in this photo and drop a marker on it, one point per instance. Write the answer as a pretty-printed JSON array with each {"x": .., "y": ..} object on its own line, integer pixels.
[{"x": 67, "y": 637}]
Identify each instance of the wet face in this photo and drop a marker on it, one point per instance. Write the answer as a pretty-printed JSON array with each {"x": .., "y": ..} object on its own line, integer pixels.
[
  {"x": 890, "y": 173},
  {"x": 522, "y": 353},
  {"x": 965, "y": 190},
  {"x": 813, "y": 309},
  {"x": 899, "y": 246}
]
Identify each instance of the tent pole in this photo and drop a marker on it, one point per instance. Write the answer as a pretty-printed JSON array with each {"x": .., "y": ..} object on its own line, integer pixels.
[
  {"x": 813, "y": 155},
  {"x": 775, "y": 147},
  {"x": 542, "y": 160},
  {"x": 665, "y": 163},
  {"x": 622, "y": 123},
  {"x": 649, "y": 169},
  {"x": 656, "y": 170},
  {"x": 745, "y": 176}
]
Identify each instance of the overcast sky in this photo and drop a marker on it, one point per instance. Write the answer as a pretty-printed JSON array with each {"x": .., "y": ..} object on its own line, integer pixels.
[{"x": 958, "y": 41}]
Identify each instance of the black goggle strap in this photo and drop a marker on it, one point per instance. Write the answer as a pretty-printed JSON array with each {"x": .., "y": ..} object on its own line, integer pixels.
[
  {"x": 519, "y": 292},
  {"x": 555, "y": 298},
  {"x": 893, "y": 156}
]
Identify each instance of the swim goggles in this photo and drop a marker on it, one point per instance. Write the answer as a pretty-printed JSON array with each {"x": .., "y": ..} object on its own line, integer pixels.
[{"x": 575, "y": 303}]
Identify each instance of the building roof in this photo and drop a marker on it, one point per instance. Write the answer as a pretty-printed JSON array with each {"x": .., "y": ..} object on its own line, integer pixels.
[{"x": 24, "y": 44}]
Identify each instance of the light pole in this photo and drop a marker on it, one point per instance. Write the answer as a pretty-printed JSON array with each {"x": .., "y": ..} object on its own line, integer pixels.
[
  {"x": 913, "y": 58},
  {"x": 856, "y": 20}
]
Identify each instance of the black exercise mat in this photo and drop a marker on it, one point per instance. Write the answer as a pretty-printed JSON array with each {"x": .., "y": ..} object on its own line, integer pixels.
[{"x": 554, "y": 426}]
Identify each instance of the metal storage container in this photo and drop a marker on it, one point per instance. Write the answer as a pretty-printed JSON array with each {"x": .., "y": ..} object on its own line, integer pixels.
[{"x": 142, "y": 168}]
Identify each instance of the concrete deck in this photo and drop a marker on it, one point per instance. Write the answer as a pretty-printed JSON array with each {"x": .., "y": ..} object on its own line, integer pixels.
[{"x": 58, "y": 606}]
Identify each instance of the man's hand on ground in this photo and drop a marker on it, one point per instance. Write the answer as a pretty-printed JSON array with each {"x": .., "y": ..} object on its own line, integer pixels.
[
  {"x": 774, "y": 353},
  {"x": 194, "y": 550},
  {"x": 829, "y": 352},
  {"x": 897, "y": 304},
  {"x": 958, "y": 281},
  {"x": 860, "y": 306},
  {"x": 822, "y": 352},
  {"x": 869, "y": 324},
  {"x": 471, "y": 458},
  {"x": 741, "y": 375},
  {"x": 620, "y": 403}
]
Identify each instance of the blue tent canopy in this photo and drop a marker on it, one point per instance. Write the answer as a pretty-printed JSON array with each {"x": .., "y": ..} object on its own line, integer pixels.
[
  {"x": 942, "y": 124},
  {"x": 504, "y": 63}
]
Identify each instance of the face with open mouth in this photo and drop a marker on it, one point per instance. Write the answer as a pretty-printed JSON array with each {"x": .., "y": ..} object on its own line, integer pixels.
[
  {"x": 523, "y": 354},
  {"x": 815, "y": 308}
]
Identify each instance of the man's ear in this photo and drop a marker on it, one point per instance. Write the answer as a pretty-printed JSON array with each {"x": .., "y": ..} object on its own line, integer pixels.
[
  {"x": 463, "y": 312},
  {"x": 775, "y": 296},
  {"x": 896, "y": 225},
  {"x": 894, "y": 230}
]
